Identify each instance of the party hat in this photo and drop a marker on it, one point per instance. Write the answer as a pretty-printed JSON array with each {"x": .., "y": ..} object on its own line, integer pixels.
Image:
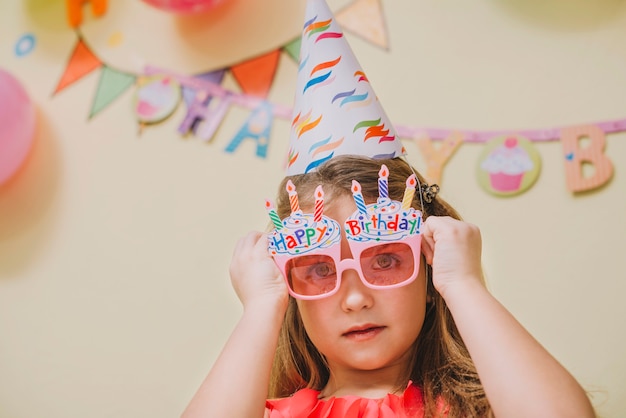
[{"x": 336, "y": 111}]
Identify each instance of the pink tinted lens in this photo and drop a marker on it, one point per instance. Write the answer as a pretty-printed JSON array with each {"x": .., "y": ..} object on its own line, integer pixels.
[
  {"x": 388, "y": 264},
  {"x": 310, "y": 275}
]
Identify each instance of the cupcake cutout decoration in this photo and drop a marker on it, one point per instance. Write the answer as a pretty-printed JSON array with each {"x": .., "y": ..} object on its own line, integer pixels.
[
  {"x": 508, "y": 166},
  {"x": 156, "y": 98}
]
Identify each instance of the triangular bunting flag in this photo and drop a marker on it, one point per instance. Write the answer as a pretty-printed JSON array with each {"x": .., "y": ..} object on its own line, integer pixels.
[
  {"x": 81, "y": 63},
  {"x": 255, "y": 76},
  {"x": 293, "y": 49},
  {"x": 111, "y": 85},
  {"x": 365, "y": 19}
]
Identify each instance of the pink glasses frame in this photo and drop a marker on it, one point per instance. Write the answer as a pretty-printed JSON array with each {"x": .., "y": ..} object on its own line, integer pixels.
[{"x": 334, "y": 251}]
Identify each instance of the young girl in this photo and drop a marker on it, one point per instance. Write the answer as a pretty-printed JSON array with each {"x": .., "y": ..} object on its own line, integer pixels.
[{"x": 439, "y": 345}]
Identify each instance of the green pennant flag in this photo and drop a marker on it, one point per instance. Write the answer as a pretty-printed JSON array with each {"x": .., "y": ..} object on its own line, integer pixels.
[
  {"x": 293, "y": 49},
  {"x": 111, "y": 85}
]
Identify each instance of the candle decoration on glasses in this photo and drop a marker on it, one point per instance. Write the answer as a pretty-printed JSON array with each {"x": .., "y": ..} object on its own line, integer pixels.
[
  {"x": 409, "y": 192},
  {"x": 273, "y": 215},
  {"x": 385, "y": 220},
  {"x": 358, "y": 197},
  {"x": 319, "y": 204},
  {"x": 383, "y": 187},
  {"x": 293, "y": 197}
]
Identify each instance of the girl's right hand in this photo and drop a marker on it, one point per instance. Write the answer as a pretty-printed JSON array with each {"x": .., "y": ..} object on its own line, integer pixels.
[
  {"x": 253, "y": 274},
  {"x": 246, "y": 359}
]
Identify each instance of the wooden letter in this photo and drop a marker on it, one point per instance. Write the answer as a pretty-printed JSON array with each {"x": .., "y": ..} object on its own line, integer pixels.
[{"x": 576, "y": 157}]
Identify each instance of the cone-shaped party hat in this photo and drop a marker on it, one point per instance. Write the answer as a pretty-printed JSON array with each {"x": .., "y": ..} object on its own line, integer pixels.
[{"x": 336, "y": 111}]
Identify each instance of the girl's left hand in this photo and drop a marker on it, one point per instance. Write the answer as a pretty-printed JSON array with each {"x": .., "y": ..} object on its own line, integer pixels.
[{"x": 453, "y": 249}]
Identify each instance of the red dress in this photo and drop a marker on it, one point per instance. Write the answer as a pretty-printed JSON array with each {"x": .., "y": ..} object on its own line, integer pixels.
[{"x": 305, "y": 404}]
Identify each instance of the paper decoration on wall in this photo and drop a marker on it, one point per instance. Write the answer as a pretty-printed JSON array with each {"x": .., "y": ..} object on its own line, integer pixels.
[
  {"x": 190, "y": 93},
  {"x": 256, "y": 76},
  {"x": 25, "y": 45},
  {"x": 81, "y": 62},
  {"x": 198, "y": 102},
  {"x": 213, "y": 118},
  {"x": 75, "y": 10},
  {"x": 576, "y": 156},
  {"x": 434, "y": 158},
  {"x": 508, "y": 165},
  {"x": 115, "y": 39},
  {"x": 208, "y": 103},
  {"x": 156, "y": 98},
  {"x": 365, "y": 19},
  {"x": 112, "y": 83},
  {"x": 293, "y": 49},
  {"x": 258, "y": 128},
  {"x": 479, "y": 137}
]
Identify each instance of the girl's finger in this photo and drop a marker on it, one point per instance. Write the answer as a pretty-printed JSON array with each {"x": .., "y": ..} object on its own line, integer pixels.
[
  {"x": 428, "y": 242},
  {"x": 261, "y": 242}
]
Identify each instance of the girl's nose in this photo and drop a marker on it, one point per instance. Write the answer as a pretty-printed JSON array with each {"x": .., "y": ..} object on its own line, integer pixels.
[{"x": 354, "y": 294}]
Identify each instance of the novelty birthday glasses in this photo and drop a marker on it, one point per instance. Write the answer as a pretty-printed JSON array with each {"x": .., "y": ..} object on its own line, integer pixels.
[{"x": 384, "y": 239}]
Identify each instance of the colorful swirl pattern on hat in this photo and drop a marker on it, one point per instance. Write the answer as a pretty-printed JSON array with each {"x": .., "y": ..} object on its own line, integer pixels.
[{"x": 336, "y": 111}]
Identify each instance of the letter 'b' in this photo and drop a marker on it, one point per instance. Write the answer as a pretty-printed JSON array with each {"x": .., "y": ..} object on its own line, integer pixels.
[{"x": 593, "y": 154}]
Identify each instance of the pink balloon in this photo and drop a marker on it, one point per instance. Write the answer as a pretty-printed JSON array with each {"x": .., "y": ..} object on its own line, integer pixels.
[
  {"x": 184, "y": 6},
  {"x": 17, "y": 125}
]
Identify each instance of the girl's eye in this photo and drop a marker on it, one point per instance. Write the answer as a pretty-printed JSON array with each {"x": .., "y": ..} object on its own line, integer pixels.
[
  {"x": 311, "y": 268},
  {"x": 322, "y": 270},
  {"x": 384, "y": 261}
]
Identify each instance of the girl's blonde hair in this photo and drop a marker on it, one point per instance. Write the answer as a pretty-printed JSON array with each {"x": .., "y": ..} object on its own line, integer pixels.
[{"x": 441, "y": 365}]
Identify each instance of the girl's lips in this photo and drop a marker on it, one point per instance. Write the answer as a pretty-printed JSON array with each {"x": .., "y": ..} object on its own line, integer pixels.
[{"x": 363, "y": 333}]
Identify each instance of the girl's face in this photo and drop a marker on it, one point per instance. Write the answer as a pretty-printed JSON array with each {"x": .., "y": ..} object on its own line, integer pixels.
[{"x": 361, "y": 329}]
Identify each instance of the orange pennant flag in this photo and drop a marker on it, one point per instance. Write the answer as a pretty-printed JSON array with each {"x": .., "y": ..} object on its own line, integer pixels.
[
  {"x": 365, "y": 19},
  {"x": 81, "y": 63},
  {"x": 255, "y": 76}
]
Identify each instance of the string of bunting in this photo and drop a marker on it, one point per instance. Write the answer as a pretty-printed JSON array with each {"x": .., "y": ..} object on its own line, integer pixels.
[{"x": 509, "y": 163}]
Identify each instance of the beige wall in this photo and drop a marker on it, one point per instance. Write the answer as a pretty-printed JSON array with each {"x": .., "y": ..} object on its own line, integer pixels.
[{"x": 114, "y": 246}]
